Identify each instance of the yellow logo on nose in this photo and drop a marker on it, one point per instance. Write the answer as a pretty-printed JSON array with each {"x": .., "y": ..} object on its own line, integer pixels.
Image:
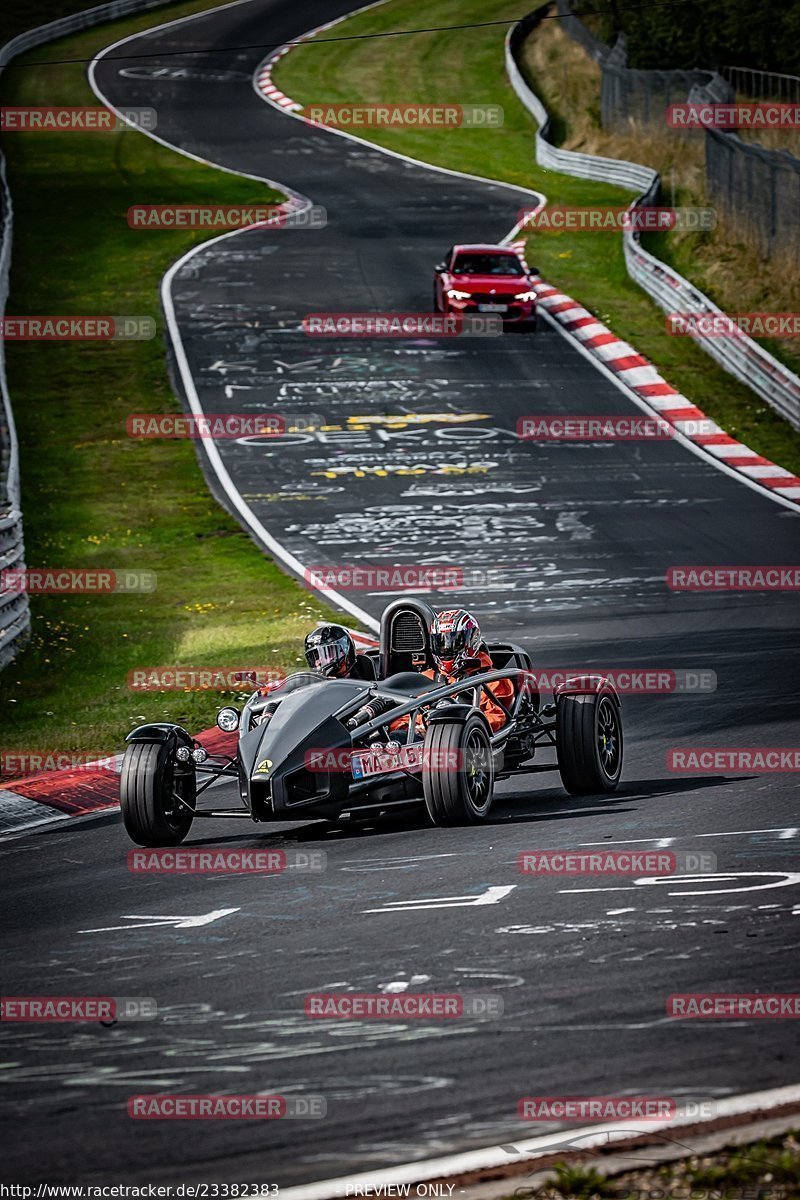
[{"x": 264, "y": 767}]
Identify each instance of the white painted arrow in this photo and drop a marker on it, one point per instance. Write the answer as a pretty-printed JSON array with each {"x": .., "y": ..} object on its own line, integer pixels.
[
  {"x": 492, "y": 895},
  {"x": 151, "y": 922},
  {"x": 297, "y": 366},
  {"x": 780, "y": 879}
]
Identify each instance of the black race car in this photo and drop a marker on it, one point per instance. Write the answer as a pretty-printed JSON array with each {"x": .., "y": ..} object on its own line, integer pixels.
[{"x": 335, "y": 748}]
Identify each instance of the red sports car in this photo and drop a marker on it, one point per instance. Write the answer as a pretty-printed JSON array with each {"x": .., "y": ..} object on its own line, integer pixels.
[{"x": 485, "y": 279}]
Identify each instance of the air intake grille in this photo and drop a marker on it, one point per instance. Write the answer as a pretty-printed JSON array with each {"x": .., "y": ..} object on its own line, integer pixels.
[{"x": 408, "y": 633}]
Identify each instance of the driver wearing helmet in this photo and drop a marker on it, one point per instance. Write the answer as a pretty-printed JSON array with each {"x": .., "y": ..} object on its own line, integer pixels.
[
  {"x": 457, "y": 649},
  {"x": 331, "y": 651}
]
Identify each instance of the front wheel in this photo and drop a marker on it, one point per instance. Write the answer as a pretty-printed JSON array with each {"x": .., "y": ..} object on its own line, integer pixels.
[
  {"x": 458, "y": 772},
  {"x": 589, "y": 742},
  {"x": 156, "y": 794}
]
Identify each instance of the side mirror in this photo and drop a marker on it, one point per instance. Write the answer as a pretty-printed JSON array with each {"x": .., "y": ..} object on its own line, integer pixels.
[
  {"x": 245, "y": 677},
  {"x": 533, "y": 270},
  {"x": 440, "y": 267}
]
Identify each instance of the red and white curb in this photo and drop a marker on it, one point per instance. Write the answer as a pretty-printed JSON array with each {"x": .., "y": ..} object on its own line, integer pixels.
[
  {"x": 83, "y": 791},
  {"x": 642, "y": 378},
  {"x": 625, "y": 365},
  {"x": 37, "y": 800},
  {"x": 267, "y": 87},
  {"x": 263, "y": 76}
]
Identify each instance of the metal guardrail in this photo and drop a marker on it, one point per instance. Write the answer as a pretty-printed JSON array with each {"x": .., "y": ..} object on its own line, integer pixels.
[
  {"x": 579, "y": 32},
  {"x": 739, "y": 355},
  {"x": 762, "y": 85},
  {"x": 15, "y": 618}
]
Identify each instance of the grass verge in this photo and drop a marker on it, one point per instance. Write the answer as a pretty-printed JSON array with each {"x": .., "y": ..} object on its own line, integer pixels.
[
  {"x": 466, "y": 65},
  {"x": 92, "y": 497},
  {"x": 764, "y": 1170},
  {"x": 726, "y": 264}
]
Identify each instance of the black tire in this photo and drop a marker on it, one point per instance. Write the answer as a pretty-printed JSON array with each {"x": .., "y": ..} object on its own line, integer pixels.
[
  {"x": 589, "y": 742},
  {"x": 436, "y": 308},
  {"x": 147, "y": 782},
  {"x": 458, "y": 772}
]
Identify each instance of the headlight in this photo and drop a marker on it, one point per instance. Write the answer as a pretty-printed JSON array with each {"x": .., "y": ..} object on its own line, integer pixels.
[
  {"x": 183, "y": 754},
  {"x": 228, "y": 719},
  {"x": 525, "y": 296},
  {"x": 199, "y": 755},
  {"x": 454, "y": 294}
]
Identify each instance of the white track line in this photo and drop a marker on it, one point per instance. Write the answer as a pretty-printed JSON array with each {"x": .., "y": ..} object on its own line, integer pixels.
[
  {"x": 530, "y": 1148},
  {"x": 300, "y": 202},
  {"x": 261, "y": 92},
  {"x": 490, "y": 1155},
  {"x": 707, "y": 455}
]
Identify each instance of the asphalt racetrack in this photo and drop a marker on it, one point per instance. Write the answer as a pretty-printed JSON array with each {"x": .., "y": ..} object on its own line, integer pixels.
[{"x": 565, "y": 549}]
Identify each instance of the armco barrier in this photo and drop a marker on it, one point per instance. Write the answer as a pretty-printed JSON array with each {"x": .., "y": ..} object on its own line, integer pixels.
[
  {"x": 740, "y": 355},
  {"x": 15, "y": 619},
  {"x": 14, "y": 609}
]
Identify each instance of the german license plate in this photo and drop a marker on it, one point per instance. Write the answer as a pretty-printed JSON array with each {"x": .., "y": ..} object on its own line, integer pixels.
[
  {"x": 492, "y": 308},
  {"x": 378, "y": 762}
]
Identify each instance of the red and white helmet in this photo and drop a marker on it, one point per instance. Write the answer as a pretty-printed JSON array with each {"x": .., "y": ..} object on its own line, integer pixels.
[{"x": 455, "y": 637}]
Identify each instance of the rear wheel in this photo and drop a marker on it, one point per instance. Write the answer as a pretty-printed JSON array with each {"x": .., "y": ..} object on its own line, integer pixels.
[
  {"x": 156, "y": 796},
  {"x": 458, "y": 772},
  {"x": 589, "y": 742}
]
